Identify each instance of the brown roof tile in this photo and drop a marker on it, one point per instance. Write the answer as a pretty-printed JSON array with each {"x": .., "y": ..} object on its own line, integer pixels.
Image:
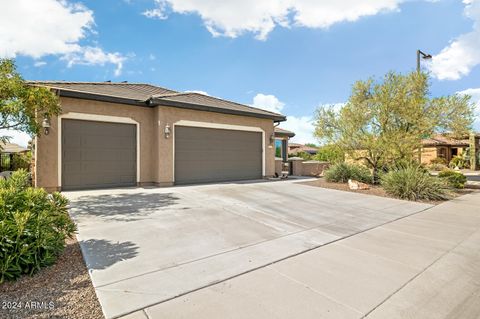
[{"x": 280, "y": 131}]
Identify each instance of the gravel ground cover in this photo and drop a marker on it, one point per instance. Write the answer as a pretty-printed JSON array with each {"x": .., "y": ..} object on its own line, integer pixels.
[
  {"x": 374, "y": 189},
  {"x": 63, "y": 290}
]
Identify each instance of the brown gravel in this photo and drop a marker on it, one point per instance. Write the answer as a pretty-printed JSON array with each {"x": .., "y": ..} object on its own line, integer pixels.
[
  {"x": 66, "y": 285},
  {"x": 374, "y": 189}
]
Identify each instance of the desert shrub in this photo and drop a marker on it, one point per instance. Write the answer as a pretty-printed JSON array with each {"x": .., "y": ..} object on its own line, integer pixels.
[
  {"x": 414, "y": 183},
  {"x": 438, "y": 160},
  {"x": 453, "y": 178},
  {"x": 342, "y": 172},
  {"x": 33, "y": 226},
  {"x": 457, "y": 161}
]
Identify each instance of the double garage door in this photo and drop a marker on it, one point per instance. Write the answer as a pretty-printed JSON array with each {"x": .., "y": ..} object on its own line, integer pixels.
[
  {"x": 204, "y": 155},
  {"x": 100, "y": 155}
]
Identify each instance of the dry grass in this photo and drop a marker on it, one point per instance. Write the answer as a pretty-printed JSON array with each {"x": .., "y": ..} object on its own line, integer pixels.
[{"x": 66, "y": 286}]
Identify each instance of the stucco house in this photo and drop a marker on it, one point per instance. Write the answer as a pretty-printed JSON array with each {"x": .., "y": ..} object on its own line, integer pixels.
[
  {"x": 128, "y": 134},
  {"x": 443, "y": 146},
  {"x": 295, "y": 148}
]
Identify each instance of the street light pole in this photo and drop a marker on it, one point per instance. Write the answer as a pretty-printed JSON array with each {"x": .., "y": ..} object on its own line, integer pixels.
[{"x": 422, "y": 55}]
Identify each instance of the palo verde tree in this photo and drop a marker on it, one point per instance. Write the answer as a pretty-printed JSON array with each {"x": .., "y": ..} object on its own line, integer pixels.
[
  {"x": 384, "y": 121},
  {"x": 23, "y": 107}
]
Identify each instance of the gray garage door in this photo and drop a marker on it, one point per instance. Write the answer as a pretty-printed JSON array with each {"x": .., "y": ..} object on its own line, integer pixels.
[
  {"x": 213, "y": 155},
  {"x": 98, "y": 154}
]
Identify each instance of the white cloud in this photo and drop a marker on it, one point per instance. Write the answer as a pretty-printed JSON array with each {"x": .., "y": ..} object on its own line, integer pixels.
[
  {"x": 197, "y": 91},
  {"x": 16, "y": 137},
  {"x": 463, "y": 53},
  {"x": 232, "y": 18},
  {"x": 95, "y": 56},
  {"x": 51, "y": 27},
  {"x": 475, "y": 94},
  {"x": 302, "y": 126},
  {"x": 268, "y": 102},
  {"x": 38, "y": 64}
]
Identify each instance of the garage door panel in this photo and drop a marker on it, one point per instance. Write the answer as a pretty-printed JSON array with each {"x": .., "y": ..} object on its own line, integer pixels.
[
  {"x": 210, "y": 155},
  {"x": 98, "y": 154}
]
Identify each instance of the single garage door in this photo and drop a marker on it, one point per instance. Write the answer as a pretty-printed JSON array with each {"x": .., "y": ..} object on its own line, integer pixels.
[
  {"x": 98, "y": 154},
  {"x": 213, "y": 155}
]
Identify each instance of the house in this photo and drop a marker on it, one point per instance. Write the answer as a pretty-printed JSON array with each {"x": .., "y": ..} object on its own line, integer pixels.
[
  {"x": 295, "y": 148},
  {"x": 444, "y": 146},
  {"x": 7, "y": 152},
  {"x": 282, "y": 137},
  {"x": 131, "y": 134}
]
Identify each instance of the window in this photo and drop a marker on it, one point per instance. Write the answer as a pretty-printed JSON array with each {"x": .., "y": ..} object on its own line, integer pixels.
[{"x": 278, "y": 148}]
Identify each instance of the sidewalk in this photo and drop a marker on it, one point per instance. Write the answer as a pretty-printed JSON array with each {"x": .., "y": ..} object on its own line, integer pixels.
[{"x": 422, "y": 266}]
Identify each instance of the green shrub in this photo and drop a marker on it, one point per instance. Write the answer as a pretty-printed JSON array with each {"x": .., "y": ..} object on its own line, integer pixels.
[
  {"x": 342, "y": 172},
  {"x": 33, "y": 226},
  {"x": 306, "y": 156},
  {"x": 22, "y": 161},
  {"x": 453, "y": 178},
  {"x": 458, "y": 161},
  {"x": 414, "y": 183}
]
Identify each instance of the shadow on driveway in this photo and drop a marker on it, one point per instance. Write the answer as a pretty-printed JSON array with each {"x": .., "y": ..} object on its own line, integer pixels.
[
  {"x": 101, "y": 254},
  {"x": 122, "y": 207}
]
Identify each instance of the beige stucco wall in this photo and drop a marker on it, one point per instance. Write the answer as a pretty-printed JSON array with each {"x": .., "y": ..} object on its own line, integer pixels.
[
  {"x": 428, "y": 154},
  {"x": 156, "y": 152}
]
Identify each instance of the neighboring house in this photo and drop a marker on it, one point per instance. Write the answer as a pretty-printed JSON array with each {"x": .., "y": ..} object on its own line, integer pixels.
[
  {"x": 295, "y": 148},
  {"x": 282, "y": 137},
  {"x": 442, "y": 146},
  {"x": 7, "y": 150},
  {"x": 122, "y": 134}
]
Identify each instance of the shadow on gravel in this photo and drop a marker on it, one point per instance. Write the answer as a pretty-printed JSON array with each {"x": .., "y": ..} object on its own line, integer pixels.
[
  {"x": 121, "y": 207},
  {"x": 101, "y": 254}
]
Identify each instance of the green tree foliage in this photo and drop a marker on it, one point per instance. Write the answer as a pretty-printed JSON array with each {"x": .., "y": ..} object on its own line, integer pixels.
[
  {"x": 330, "y": 153},
  {"x": 306, "y": 156},
  {"x": 384, "y": 121},
  {"x": 23, "y": 107}
]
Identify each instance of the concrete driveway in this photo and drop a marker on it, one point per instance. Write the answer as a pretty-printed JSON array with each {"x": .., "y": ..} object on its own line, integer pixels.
[{"x": 147, "y": 247}]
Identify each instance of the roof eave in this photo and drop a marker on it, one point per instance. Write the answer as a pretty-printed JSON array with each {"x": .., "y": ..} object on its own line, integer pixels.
[
  {"x": 280, "y": 134},
  {"x": 102, "y": 98},
  {"x": 199, "y": 107}
]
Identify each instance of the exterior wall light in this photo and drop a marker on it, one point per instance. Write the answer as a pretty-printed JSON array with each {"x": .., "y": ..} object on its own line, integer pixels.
[
  {"x": 167, "y": 131},
  {"x": 272, "y": 138},
  {"x": 46, "y": 125}
]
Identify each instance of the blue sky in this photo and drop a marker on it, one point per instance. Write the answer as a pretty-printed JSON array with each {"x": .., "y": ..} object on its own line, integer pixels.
[{"x": 288, "y": 56}]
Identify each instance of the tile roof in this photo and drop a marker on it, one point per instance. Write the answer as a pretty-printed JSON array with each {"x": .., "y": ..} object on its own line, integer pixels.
[
  {"x": 442, "y": 140},
  {"x": 294, "y": 148},
  {"x": 193, "y": 98},
  {"x": 281, "y": 131},
  {"x": 150, "y": 95},
  {"x": 11, "y": 148}
]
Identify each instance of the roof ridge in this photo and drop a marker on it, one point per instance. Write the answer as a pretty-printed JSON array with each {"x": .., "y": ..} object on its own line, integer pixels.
[
  {"x": 98, "y": 83},
  {"x": 96, "y": 93}
]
